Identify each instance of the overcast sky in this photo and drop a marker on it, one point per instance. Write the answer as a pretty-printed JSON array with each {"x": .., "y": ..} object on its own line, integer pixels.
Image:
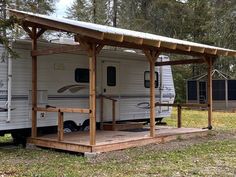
[{"x": 61, "y": 7}]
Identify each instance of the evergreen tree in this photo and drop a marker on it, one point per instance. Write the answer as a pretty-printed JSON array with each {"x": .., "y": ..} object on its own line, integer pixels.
[{"x": 96, "y": 11}]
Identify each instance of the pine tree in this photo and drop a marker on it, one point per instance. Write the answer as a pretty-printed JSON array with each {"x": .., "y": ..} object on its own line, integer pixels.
[
  {"x": 95, "y": 11},
  {"x": 35, "y": 6}
]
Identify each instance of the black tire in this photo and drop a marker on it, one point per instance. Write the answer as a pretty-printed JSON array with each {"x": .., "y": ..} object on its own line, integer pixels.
[
  {"x": 69, "y": 127},
  {"x": 19, "y": 138},
  {"x": 85, "y": 126}
]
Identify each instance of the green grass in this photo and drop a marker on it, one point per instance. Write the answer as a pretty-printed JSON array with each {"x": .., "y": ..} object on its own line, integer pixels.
[
  {"x": 215, "y": 158},
  {"x": 196, "y": 118},
  {"x": 214, "y": 155},
  {"x": 6, "y": 138}
]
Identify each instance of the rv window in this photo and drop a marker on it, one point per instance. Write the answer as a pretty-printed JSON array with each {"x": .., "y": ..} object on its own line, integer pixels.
[
  {"x": 82, "y": 75},
  {"x": 147, "y": 79},
  {"x": 111, "y": 76}
]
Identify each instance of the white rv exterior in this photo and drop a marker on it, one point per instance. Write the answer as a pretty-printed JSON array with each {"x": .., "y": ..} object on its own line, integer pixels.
[{"x": 56, "y": 73}]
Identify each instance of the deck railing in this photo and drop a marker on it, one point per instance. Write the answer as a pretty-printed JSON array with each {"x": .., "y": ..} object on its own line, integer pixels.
[
  {"x": 61, "y": 111},
  {"x": 102, "y": 97},
  {"x": 179, "y": 109}
]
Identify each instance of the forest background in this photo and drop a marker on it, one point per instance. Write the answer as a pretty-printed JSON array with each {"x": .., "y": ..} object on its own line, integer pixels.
[{"x": 210, "y": 22}]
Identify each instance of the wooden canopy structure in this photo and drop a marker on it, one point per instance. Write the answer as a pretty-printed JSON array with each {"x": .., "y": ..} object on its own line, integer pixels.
[{"x": 92, "y": 38}]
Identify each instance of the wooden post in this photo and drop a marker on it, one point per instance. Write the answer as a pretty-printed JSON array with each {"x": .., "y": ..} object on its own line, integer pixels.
[
  {"x": 226, "y": 94},
  {"x": 60, "y": 128},
  {"x": 113, "y": 114},
  {"x": 101, "y": 113},
  {"x": 209, "y": 92},
  {"x": 179, "y": 116},
  {"x": 34, "y": 84},
  {"x": 152, "y": 57},
  {"x": 152, "y": 99},
  {"x": 92, "y": 93}
]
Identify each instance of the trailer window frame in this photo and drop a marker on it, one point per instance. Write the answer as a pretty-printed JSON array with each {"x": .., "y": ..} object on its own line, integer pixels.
[
  {"x": 147, "y": 79},
  {"x": 111, "y": 76},
  {"x": 82, "y": 75}
]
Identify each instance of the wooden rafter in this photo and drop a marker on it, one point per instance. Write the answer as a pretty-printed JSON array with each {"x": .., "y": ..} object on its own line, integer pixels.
[
  {"x": 99, "y": 47},
  {"x": 40, "y": 32},
  {"x": 57, "y": 50},
  {"x": 28, "y": 30}
]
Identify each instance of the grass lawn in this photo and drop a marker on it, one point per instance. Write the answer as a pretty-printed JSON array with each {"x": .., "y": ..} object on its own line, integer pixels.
[
  {"x": 214, "y": 155},
  {"x": 195, "y": 118}
]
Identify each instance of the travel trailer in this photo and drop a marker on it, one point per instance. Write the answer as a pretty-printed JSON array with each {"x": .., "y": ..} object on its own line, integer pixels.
[{"x": 63, "y": 82}]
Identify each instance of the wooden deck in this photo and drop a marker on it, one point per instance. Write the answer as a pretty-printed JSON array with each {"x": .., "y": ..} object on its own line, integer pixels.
[{"x": 114, "y": 140}]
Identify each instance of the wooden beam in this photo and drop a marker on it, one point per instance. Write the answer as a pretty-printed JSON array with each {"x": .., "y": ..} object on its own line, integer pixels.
[
  {"x": 113, "y": 115},
  {"x": 40, "y": 32},
  {"x": 187, "y": 105},
  {"x": 211, "y": 51},
  {"x": 60, "y": 128},
  {"x": 233, "y": 54},
  {"x": 183, "y": 47},
  {"x": 181, "y": 62},
  {"x": 135, "y": 40},
  {"x": 68, "y": 110},
  {"x": 222, "y": 52},
  {"x": 101, "y": 113},
  {"x": 152, "y": 57},
  {"x": 197, "y": 49},
  {"x": 146, "y": 47},
  {"x": 169, "y": 45},
  {"x": 153, "y": 43},
  {"x": 114, "y": 37},
  {"x": 209, "y": 91},
  {"x": 152, "y": 100},
  {"x": 99, "y": 48},
  {"x": 28, "y": 31},
  {"x": 57, "y": 50},
  {"x": 92, "y": 93},
  {"x": 179, "y": 122},
  {"x": 148, "y": 55},
  {"x": 64, "y": 145},
  {"x": 34, "y": 84}
]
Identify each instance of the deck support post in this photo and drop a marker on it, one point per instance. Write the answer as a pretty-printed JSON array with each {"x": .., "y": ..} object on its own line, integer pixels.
[
  {"x": 209, "y": 92},
  {"x": 152, "y": 57},
  {"x": 113, "y": 115},
  {"x": 92, "y": 93},
  {"x": 34, "y": 84},
  {"x": 60, "y": 128},
  {"x": 179, "y": 123}
]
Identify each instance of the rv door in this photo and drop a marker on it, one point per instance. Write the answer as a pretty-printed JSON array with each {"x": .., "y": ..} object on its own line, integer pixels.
[{"x": 110, "y": 88}]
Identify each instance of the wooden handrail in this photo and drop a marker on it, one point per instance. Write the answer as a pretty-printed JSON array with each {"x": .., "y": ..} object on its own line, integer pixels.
[
  {"x": 113, "y": 110},
  {"x": 60, "y": 120},
  {"x": 69, "y": 110},
  {"x": 182, "y": 105}
]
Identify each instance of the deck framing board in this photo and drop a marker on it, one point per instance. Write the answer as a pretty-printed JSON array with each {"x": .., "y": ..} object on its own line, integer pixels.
[{"x": 112, "y": 146}]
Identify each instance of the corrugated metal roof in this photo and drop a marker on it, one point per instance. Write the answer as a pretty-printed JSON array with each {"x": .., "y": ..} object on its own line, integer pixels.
[{"x": 119, "y": 35}]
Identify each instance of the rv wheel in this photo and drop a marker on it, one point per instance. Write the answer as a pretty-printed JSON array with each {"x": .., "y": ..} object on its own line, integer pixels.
[
  {"x": 69, "y": 127},
  {"x": 85, "y": 126}
]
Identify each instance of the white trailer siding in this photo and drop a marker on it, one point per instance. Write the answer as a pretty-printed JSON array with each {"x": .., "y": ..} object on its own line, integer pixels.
[{"x": 57, "y": 71}]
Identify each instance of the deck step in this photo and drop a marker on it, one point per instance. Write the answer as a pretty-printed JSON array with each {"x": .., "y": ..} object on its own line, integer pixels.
[{"x": 123, "y": 126}]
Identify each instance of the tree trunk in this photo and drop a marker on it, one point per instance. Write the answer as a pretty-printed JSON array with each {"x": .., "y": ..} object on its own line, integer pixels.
[{"x": 114, "y": 13}]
